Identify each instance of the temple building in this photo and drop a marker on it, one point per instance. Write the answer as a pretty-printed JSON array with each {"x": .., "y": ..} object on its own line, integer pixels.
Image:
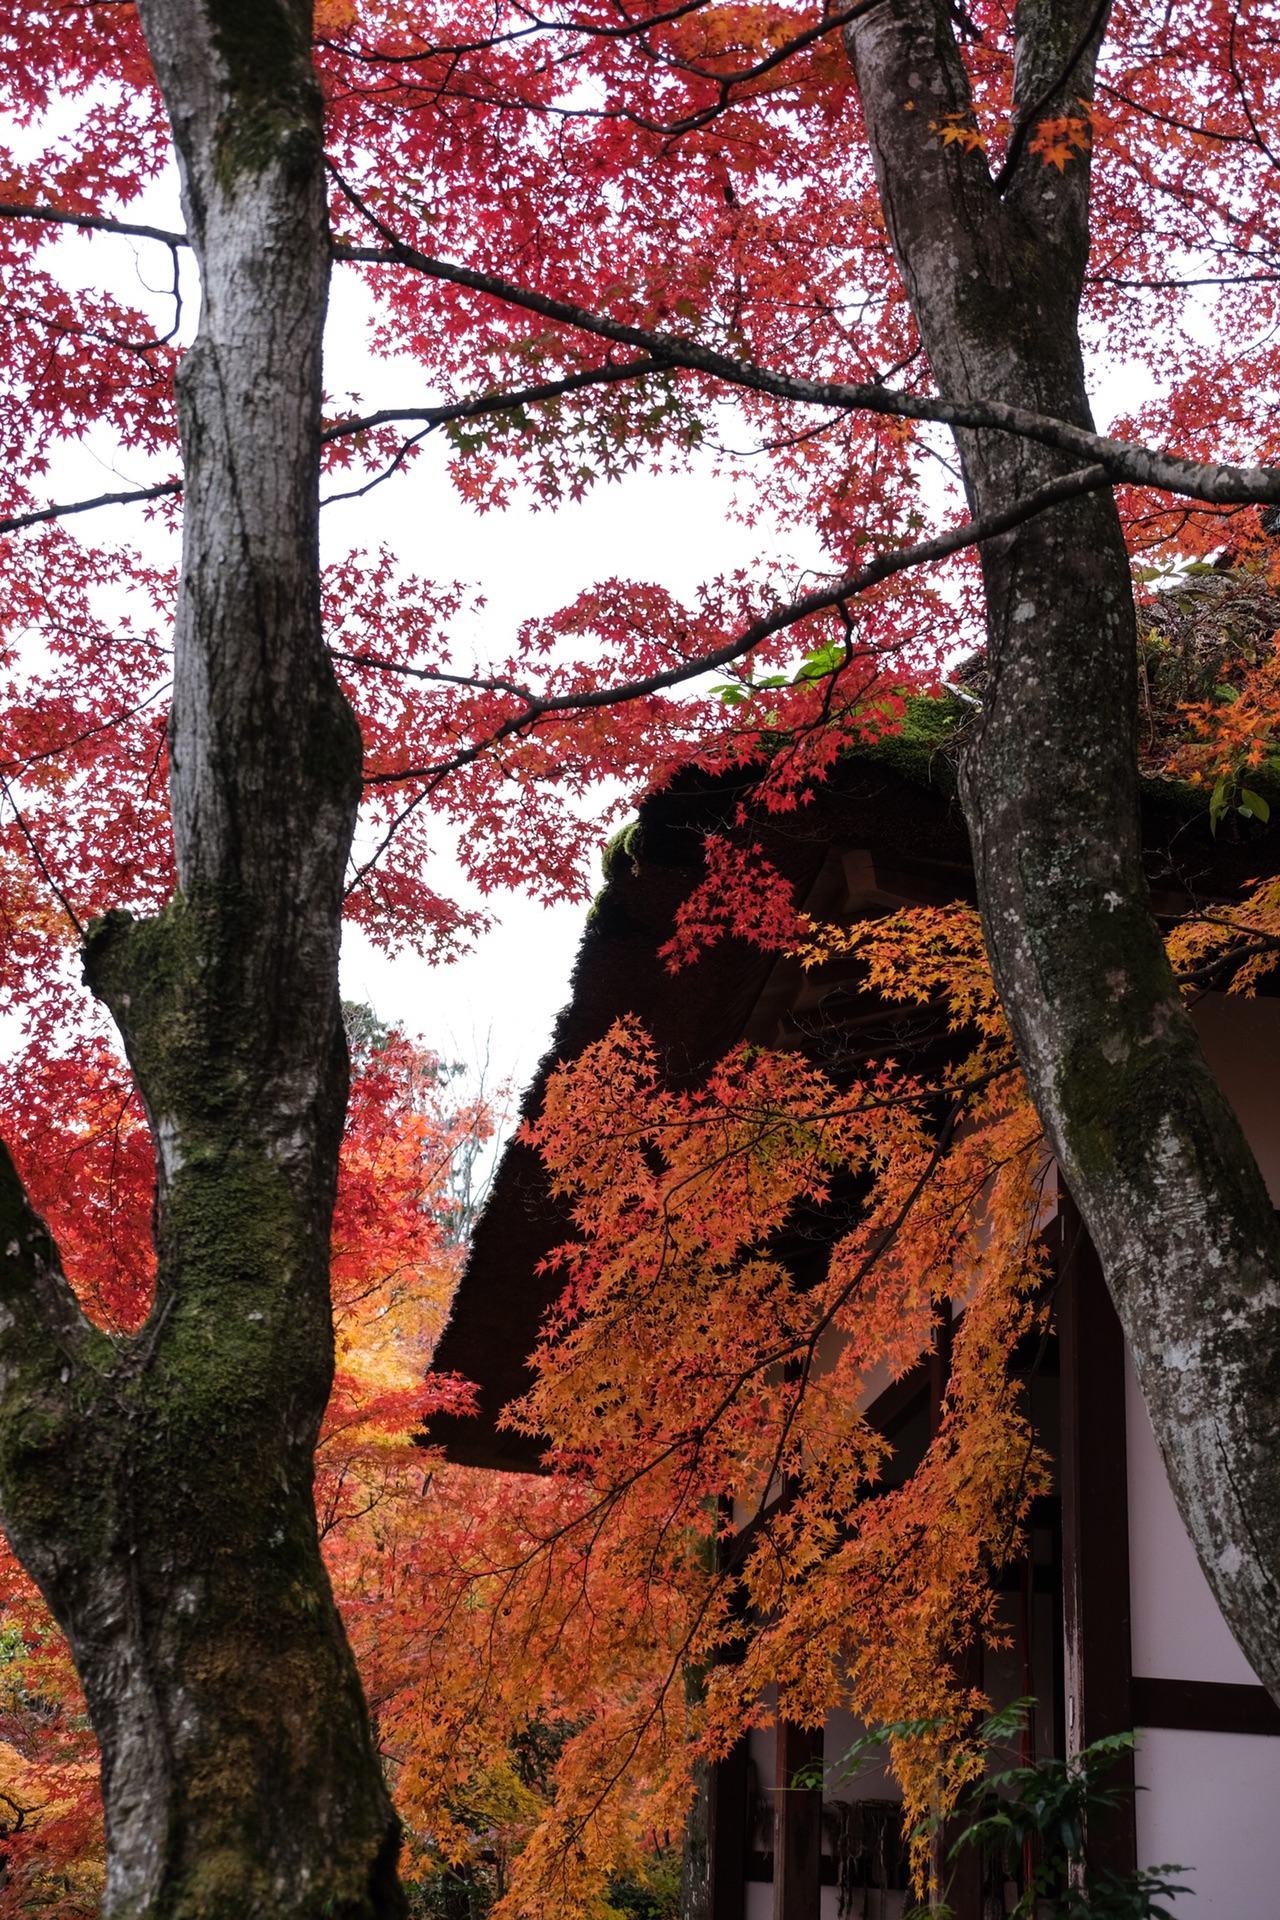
[{"x": 1109, "y": 1620}]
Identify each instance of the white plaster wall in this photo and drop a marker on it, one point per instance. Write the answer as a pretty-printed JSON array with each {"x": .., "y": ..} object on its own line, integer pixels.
[
  {"x": 1178, "y": 1632},
  {"x": 759, "y": 1901},
  {"x": 1206, "y": 1801},
  {"x": 1209, "y": 1801}
]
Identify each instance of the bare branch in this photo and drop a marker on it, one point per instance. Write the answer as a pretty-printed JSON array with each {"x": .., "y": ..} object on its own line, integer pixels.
[
  {"x": 16, "y": 521},
  {"x": 1126, "y": 463},
  {"x": 490, "y": 403},
  {"x": 1228, "y": 962},
  {"x": 474, "y": 683},
  {"x": 93, "y": 223},
  {"x": 1198, "y": 280}
]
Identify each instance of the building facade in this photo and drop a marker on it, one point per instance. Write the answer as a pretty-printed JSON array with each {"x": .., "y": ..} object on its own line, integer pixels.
[{"x": 1110, "y": 1623}]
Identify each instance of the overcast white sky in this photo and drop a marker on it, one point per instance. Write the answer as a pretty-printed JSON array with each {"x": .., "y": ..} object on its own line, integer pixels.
[{"x": 501, "y": 999}]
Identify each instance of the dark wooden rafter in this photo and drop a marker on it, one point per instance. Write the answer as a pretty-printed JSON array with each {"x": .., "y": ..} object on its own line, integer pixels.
[{"x": 1205, "y": 1706}]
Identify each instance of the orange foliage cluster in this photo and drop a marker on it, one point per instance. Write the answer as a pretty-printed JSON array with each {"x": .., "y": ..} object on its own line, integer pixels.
[
  {"x": 1234, "y": 738},
  {"x": 687, "y": 1363},
  {"x": 547, "y": 1656},
  {"x": 712, "y": 1526}
]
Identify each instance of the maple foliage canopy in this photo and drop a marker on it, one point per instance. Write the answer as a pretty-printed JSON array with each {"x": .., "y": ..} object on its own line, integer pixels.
[
  {"x": 698, "y": 180},
  {"x": 598, "y": 238}
]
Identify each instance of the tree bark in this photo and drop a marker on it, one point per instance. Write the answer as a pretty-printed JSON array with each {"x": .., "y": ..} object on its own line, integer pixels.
[
  {"x": 1145, "y": 1139},
  {"x": 159, "y": 1488}
]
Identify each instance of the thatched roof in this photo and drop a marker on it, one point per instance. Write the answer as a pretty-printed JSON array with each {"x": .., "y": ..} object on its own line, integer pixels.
[{"x": 883, "y": 830}]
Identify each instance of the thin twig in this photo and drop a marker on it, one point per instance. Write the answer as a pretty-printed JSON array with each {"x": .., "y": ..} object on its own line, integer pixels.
[
  {"x": 39, "y": 859},
  {"x": 61, "y": 509}
]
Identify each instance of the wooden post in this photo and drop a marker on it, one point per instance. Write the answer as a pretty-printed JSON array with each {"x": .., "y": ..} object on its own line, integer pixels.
[
  {"x": 797, "y": 1843},
  {"x": 939, "y": 1364},
  {"x": 727, "y": 1835},
  {"x": 1095, "y": 1524},
  {"x": 959, "y": 1881}
]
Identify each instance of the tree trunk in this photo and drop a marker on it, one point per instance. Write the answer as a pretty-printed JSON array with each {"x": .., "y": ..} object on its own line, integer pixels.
[
  {"x": 159, "y": 1488},
  {"x": 695, "y": 1849},
  {"x": 1148, "y": 1145}
]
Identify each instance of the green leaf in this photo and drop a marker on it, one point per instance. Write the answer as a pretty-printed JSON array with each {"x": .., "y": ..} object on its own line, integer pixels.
[
  {"x": 1252, "y": 803},
  {"x": 812, "y": 1774},
  {"x": 1006, "y": 1723},
  {"x": 822, "y": 661}
]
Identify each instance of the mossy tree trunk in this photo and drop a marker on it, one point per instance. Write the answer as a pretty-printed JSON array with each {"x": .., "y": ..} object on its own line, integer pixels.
[
  {"x": 1147, "y": 1143},
  {"x": 160, "y": 1488}
]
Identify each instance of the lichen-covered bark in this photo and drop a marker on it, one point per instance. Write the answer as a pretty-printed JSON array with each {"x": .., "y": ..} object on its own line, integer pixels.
[
  {"x": 160, "y": 1488},
  {"x": 1148, "y": 1145}
]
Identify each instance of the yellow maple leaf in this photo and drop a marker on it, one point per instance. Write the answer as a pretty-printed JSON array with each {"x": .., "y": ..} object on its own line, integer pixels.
[{"x": 953, "y": 130}]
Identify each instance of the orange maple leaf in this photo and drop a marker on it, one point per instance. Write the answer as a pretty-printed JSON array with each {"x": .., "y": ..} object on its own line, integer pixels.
[
  {"x": 954, "y": 130},
  {"x": 1058, "y": 141}
]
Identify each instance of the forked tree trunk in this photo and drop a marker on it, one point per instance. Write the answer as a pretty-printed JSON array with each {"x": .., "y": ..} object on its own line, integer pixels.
[
  {"x": 1149, "y": 1147},
  {"x": 160, "y": 1488}
]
